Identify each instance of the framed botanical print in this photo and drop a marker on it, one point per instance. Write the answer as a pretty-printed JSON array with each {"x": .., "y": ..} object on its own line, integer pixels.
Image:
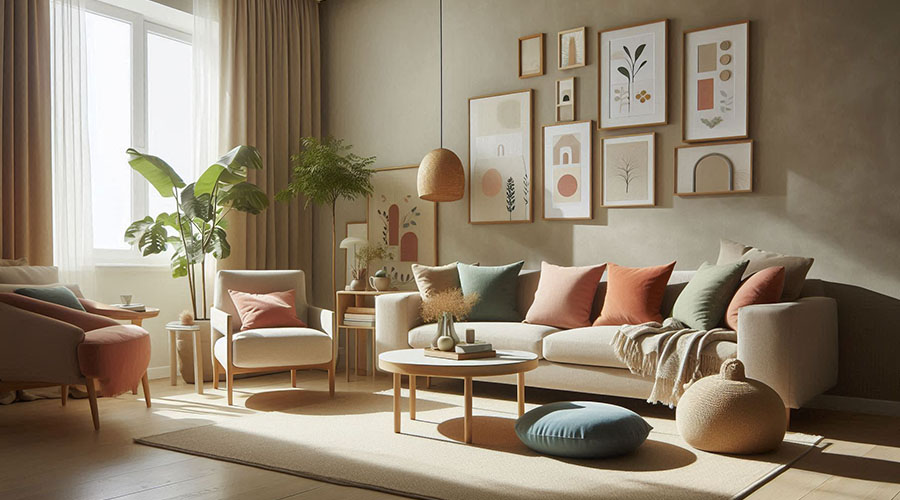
[
  {"x": 629, "y": 170},
  {"x": 531, "y": 55},
  {"x": 570, "y": 48},
  {"x": 565, "y": 100},
  {"x": 633, "y": 75},
  {"x": 568, "y": 171},
  {"x": 715, "y": 88},
  {"x": 500, "y": 164},
  {"x": 720, "y": 168},
  {"x": 405, "y": 224}
]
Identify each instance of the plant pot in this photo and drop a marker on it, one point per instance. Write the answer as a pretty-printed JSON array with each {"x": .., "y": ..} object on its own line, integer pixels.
[{"x": 357, "y": 285}]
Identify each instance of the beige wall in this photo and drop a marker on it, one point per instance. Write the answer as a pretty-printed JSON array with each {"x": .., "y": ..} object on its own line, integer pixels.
[{"x": 824, "y": 112}]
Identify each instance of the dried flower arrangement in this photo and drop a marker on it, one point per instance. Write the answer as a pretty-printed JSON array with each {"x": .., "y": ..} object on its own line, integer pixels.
[
  {"x": 367, "y": 254},
  {"x": 451, "y": 301},
  {"x": 186, "y": 317}
]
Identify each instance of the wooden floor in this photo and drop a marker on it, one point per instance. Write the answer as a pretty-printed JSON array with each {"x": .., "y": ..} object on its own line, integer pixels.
[{"x": 48, "y": 451}]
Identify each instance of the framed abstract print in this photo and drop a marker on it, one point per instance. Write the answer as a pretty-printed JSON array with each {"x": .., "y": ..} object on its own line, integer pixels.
[
  {"x": 531, "y": 55},
  {"x": 568, "y": 171},
  {"x": 500, "y": 164},
  {"x": 629, "y": 170},
  {"x": 633, "y": 78},
  {"x": 720, "y": 168},
  {"x": 405, "y": 224},
  {"x": 715, "y": 87},
  {"x": 565, "y": 100},
  {"x": 570, "y": 49}
]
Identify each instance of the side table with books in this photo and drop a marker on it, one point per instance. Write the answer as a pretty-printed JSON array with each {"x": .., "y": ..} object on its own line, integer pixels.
[{"x": 355, "y": 312}]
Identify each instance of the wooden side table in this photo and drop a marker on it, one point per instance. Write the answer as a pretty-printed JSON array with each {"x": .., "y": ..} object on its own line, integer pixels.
[
  {"x": 353, "y": 298},
  {"x": 136, "y": 317},
  {"x": 173, "y": 328}
]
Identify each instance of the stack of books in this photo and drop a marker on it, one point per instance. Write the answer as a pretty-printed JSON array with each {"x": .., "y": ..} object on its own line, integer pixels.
[
  {"x": 360, "y": 316},
  {"x": 133, "y": 307},
  {"x": 477, "y": 346}
]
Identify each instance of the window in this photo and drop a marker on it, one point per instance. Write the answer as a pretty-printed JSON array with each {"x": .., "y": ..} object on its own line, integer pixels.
[{"x": 139, "y": 95}]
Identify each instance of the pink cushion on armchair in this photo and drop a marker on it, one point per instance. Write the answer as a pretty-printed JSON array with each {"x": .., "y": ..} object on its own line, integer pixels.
[{"x": 266, "y": 310}]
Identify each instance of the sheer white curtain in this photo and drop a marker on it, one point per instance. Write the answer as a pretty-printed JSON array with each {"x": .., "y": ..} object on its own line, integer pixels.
[{"x": 72, "y": 216}]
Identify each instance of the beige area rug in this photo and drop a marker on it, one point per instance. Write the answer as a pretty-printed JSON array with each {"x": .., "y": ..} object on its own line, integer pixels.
[{"x": 350, "y": 440}]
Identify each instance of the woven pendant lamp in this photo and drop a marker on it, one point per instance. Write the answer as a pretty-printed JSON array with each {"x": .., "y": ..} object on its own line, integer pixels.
[{"x": 441, "y": 176}]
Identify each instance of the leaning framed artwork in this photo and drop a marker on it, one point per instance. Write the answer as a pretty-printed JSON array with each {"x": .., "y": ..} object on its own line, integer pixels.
[
  {"x": 500, "y": 162},
  {"x": 565, "y": 100},
  {"x": 720, "y": 168},
  {"x": 570, "y": 49},
  {"x": 633, "y": 75},
  {"x": 405, "y": 224},
  {"x": 715, "y": 87},
  {"x": 629, "y": 170},
  {"x": 568, "y": 171},
  {"x": 531, "y": 55}
]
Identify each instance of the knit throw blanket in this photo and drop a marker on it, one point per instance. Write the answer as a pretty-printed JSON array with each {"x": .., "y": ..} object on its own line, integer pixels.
[{"x": 671, "y": 353}]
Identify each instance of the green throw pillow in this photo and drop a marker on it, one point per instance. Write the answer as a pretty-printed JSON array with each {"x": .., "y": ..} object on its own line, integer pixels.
[
  {"x": 496, "y": 286},
  {"x": 702, "y": 303},
  {"x": 57, "y": 295}
]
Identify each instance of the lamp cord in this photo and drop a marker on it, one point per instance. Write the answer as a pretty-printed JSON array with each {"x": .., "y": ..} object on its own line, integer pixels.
[{"x": 442, "y": 69}]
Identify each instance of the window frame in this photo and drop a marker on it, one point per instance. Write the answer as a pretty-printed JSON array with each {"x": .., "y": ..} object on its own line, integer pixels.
[{"x": 141, "y": 27}]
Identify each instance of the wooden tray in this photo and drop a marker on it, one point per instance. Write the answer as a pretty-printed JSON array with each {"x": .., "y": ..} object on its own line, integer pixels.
[{"x": 434, "y": 353}]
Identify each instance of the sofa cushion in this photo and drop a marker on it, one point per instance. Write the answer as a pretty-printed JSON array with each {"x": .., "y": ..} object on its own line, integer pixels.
[
  {"x": 565, "y": 295},
  {"x": 795, "y": 268},
  {"x": 117, "y": 356},
  {"x": 703, "y": 301},
  {"x": 634, "y": 295},
  {"x": 764, "y": 287},
  {"x": 496, "y": 288},
  {"x": 434, "y": 279},
  {"x": 266, "y": 310},
  {"x": 503, "y": 335},
  {"x": 29, "y": 275},
  {"x": 592, "y": 346},
  {"x": 59, "y": 295},
  {"x": 275, "y": 347}
]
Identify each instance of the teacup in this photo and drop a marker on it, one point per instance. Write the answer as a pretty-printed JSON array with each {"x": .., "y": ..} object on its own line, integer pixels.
[
  {"x": 381, "y": 283},
  {"x": 126, "y": 299}
]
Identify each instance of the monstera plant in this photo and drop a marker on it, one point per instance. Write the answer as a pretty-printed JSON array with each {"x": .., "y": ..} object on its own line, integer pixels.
[{"x": 197, "y": 227}]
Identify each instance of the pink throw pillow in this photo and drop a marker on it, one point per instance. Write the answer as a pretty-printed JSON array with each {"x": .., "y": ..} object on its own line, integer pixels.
[
  {"x": 764, "y": 287},
  {"x": 564, "y": 296},
  {"x": 266, "y": 310}
]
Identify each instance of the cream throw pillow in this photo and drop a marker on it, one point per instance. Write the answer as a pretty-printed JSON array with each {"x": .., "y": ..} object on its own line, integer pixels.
[
  {"x": 795, "y": 268},
  {"x": 434, "y": 279}
]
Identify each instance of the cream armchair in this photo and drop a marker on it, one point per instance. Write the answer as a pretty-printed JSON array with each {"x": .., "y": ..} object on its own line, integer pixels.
[{"x": 268, "y": 349}]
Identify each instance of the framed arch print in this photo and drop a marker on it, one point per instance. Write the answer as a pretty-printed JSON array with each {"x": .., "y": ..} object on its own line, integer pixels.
[
  {"x": 568, "y": 171},
  {"x": 500, "y": 162},
  {"x": 715, "y": 87},
  {"x": 570, "y": 49},
  {"x": 708, "y": 169},
  {"x": 629, "y": 170},
  {"x": 405, "y": 224},
  {"x": 565, "y": 100},
  {"x": 633, "y": 75}
]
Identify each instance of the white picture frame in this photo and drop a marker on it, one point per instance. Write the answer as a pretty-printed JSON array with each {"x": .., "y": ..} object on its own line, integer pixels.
[
  {"x": 629, "y": 170},
  {"x": 568, "y": 171},
  {"x": 714, "y": 169},
  {"x": 565, "y": 100}
]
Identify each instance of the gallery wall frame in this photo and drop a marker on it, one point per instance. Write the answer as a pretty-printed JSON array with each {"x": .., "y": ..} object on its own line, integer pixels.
[
  {"x": 565, "y": 99},
  {"x": 734, "y": 158},
  {"x": 618, "y": 107},
  {"x": 569, "y": 44},
  {"x": 715, "y": 90},
  {"x": 501, "y": 151},
  {"x": 573, "y": 168},
  {"x": 406, "y": 224},
  {"x": 619, "y": 171},
  {"x": 531, "y": 55}
]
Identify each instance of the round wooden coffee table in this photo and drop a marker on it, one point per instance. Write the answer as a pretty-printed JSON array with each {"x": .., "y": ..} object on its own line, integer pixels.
[{"x": 414, "y": 362}]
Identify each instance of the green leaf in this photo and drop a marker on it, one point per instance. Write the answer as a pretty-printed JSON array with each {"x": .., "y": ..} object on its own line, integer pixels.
[
  {"x": 137, "y": 229},
  {"x": 229, "y": 169},
  {"x": 157, "y": 172},
  {"x": 154, "y": 240},
  {"x": 639, "y": 67},
  {"x": 196, "y": 206},
  {"x": 326, "y": 170},
  {"x": 624, "y": 72},
  {"x": 179, "y": 266},
  {"x": 245, "y": 197},
  {"x": 628, "y": 53},
  {"x": 640, "y": 49},
  {"x": 218, "y": 244}
]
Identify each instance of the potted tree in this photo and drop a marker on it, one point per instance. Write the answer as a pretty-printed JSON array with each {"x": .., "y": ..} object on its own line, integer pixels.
[
  {"x": 324, "y": 171},
  {"x": 197, "y": 227}
]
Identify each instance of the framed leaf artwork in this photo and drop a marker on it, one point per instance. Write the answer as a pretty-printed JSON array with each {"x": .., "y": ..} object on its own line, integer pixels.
[
  {"x": 570, "y": 48},
  {"x": 720, "y": 168},
  {"x": 633, "y": 75},
  {"x": 405, "y": 224},
  {"x": 531, "y": 55},
  {"x": 565, "y": 100},
  {"x": 500, "y": 164},
  {"x": 715, "y": 87},
  {"x": 568, "y": 171},
  {"x": 629, "y": 170}
]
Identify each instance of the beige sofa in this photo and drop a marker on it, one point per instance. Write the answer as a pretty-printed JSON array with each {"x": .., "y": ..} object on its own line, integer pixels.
[{"x": 791, "y": 346}]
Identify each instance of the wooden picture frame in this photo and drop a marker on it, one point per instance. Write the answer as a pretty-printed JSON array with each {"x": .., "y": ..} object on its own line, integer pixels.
[
  {"x": 360, "y": 230},
  {"x": 405, "y": 231},
  {"x": 567, "y": 40},
  {"x": 735, "y": 156},
  {"x": 727, "y": 71},
  {"x": 501, "y": 155},
  {"x": 565, "y": 100},
  {"x": 612, "y": 193},
  {"x": 529, "y": 42},
  {"x": 633, "y": 103},
  {"x": 563, "y": 162}
]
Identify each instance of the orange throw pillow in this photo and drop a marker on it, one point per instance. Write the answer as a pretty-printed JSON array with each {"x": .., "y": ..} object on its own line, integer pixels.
[
  {"x": 564, "y": 296},
  {"x": 634, "y": 295},
  {"x": 764, "y": 287},
  {"x": 266, "y": 310}
]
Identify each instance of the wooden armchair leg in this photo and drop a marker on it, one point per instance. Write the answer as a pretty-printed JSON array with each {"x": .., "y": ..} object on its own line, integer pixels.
[
  {"x": 229, "y": 381},
  {"x": 145, "y": 384},
  {"x": 215, "y": 373},
  {"x": 331, "y": 380},
  {"x": 64, "y": 394},
  {"x": 92, "y": 397},
  {"x": 294, "y": 378}
]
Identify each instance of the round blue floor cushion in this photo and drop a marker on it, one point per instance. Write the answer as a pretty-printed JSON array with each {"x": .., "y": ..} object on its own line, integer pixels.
[{"x": 582, "y": 429}]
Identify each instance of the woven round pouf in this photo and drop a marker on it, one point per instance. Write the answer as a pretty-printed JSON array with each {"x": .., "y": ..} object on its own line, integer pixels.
[{"x": 729, "y": 413}]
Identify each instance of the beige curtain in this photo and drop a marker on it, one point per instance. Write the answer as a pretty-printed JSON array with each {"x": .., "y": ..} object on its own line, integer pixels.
[
  {"x": 25, "y": 180},
  {"x": 271, "y": 98}
]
